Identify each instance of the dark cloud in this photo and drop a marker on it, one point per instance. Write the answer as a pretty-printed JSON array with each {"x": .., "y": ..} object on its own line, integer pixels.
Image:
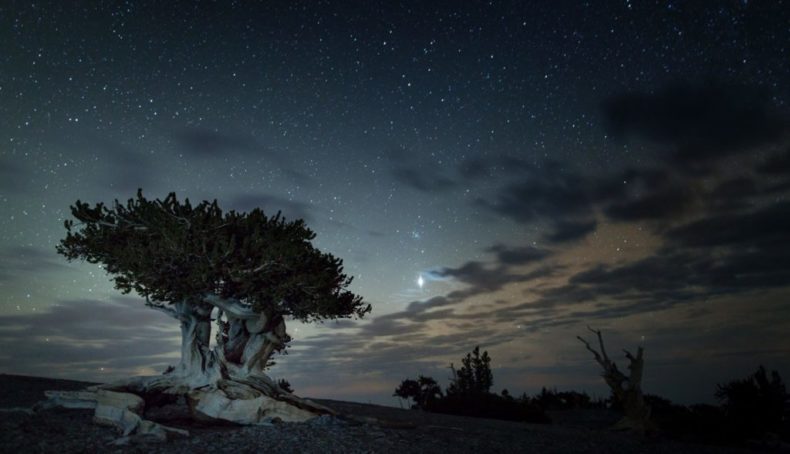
[
  {"x": 340, "y": 324},
  {"x": 701, "y": 121},
  {"x": 734, "y": 194},
  {"x": 412, "y": 323},
  {"x": 768, "y": 225},
  {"x": 412, "y": 170},
  {"x": 734, "y": 253},
  {"x": 541, "y": 192},
  {"x": 630, "y": 181},
  {"x": 713, "y": 256},
  {"x": 389, "y": 325},
  {"x": 120, "y": 335},
  {"x": 566, "y": 231},
  {"x": 720, "y": 236},
  {"x": 482, "y": 168},
  {"x": 548, "y": 191},
  {"x": 665, "y": 271},
  {"x": 270, "y": 204},
  {"x": 659, "y": 205},
  {"x": 201, "y": 142},
  {"x": 480, "y": 276},
  {"x": 423, "y": 306},
  {"x": 93, "y": 320},
  {"x": 778, "y": 164},
  {"x": 518, "y": 255}
]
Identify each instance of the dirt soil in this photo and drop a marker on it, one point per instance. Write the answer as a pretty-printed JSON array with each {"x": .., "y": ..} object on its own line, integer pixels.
[{"x": 361, "y": 428}]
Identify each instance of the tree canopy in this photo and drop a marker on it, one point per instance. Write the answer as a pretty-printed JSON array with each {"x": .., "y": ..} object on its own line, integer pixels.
[{"x": 169, "y": 251}]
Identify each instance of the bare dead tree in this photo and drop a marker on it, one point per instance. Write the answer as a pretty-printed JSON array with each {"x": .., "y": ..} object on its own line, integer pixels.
[{"x": 626, "y": 389}]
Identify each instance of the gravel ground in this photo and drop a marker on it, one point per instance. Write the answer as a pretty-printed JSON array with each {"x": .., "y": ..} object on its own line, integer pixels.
[{"x": 403, "y": 431}]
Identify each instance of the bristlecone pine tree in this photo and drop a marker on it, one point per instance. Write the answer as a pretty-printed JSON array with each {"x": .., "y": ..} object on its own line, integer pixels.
[{"x": 246, "y": 270}]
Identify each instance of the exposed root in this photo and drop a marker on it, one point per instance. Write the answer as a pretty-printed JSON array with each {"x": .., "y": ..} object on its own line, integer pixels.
[{"x": 254, "y": 399}]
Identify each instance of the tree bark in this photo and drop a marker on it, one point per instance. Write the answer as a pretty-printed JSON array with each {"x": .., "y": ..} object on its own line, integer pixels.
[
  {"x": 245, "y": 340},
  {"x": 227, "y": 381},
  {"x": 626, "y": 389},
  {"x": 199, "y": 365}
]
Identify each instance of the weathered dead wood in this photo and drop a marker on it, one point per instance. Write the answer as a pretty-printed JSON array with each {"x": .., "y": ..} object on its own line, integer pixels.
[
  {"x": 120, "y": 410},
  {"x": 225, "y": 382},
  {"x": 627, "y": 389}
]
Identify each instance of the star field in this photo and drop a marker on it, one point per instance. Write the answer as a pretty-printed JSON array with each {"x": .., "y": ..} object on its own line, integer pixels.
[{"x": 497, "y": 173}]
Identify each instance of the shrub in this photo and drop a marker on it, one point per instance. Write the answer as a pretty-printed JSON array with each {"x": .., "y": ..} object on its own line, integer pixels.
[{"x": 755, "y": 405}]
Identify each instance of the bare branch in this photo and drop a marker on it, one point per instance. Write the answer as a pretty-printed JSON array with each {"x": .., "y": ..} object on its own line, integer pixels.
[
  {"x": 627, "y": 389},
  {"x": 592, "y": 350},
  {"x": 232, "y": 307},
  {"x": 162, "y": 308},
  {"x": 600, "y": 342}
]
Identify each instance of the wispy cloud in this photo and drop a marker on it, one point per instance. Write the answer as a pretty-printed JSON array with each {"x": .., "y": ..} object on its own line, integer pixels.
[{"x": 89, "y": 339}]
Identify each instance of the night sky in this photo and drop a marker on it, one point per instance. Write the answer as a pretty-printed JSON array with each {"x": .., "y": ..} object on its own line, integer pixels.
[{"x": 500, "y": 174}]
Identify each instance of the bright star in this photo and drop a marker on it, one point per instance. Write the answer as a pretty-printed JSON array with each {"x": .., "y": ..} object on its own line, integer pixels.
[{"x": 420, "y": 281}]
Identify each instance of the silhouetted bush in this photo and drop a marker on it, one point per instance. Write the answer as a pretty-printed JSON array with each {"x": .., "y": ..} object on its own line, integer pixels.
[
  {"x": 423, "y": 391},
  {"x": 751, "y": 408},
  {"x": 552, "y": 400},
  {"x": 755, "y": 405},
  {"x": 699, "y": 423},
  {"x": 468, "y": 394}
]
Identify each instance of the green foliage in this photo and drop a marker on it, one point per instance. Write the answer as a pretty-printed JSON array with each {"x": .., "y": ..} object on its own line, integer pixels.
[
  {"x": 170, "y": 251},
  {"x": 474, "y": 377}
]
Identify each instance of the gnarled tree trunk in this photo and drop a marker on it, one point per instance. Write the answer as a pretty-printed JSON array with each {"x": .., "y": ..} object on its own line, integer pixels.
[
  {"x": 225, "y": 382},
  {"x": 199, "y": 365},
  {"x": 626, "y": 389}
]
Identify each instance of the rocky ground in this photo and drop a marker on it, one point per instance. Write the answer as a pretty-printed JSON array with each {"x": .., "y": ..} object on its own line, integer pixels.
[{"x": 361, "y": 428}]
